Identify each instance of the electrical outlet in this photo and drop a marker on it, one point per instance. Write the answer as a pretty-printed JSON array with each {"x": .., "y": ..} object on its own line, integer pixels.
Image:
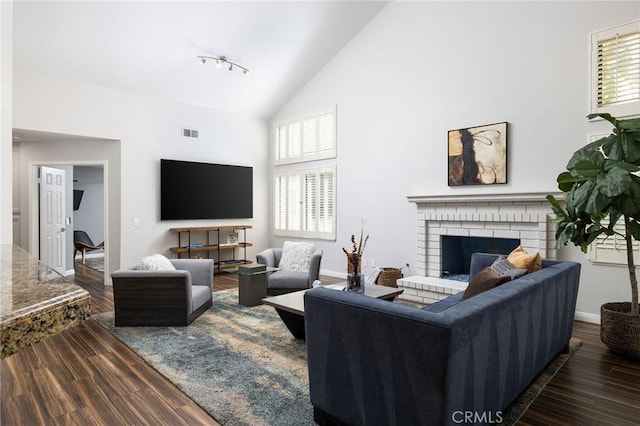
[
  {"x": 365, "y": 262},
  {"x": 136, "y": 221},
  {"x": 373, "y": 263}
]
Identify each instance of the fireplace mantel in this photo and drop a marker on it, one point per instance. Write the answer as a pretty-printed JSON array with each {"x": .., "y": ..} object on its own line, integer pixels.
[{"x": 482, "y": 198}]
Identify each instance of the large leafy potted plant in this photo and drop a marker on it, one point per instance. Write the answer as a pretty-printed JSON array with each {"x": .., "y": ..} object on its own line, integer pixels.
[{"x": 602, "y": 186}]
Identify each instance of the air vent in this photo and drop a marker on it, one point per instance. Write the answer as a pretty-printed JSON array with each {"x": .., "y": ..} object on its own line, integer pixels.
[{"x": 189, "y": 133}]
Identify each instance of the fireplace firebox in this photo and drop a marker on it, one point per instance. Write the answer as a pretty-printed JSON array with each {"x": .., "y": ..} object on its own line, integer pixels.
[{"x": 457, "y": 250}]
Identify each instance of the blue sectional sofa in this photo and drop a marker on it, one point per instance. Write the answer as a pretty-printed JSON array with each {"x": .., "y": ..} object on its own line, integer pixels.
[{"x": 373, "y": 362}]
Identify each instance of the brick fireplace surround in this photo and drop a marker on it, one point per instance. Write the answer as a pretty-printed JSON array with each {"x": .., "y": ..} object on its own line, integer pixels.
[{"x": 524, "y": 216}]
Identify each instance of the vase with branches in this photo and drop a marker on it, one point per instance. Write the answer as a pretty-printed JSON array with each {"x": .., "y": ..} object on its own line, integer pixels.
[{"x": 355, "y": 279}]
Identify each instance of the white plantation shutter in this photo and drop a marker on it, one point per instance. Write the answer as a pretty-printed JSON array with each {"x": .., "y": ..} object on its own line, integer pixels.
[
  {"x": 294, "y": 213},
  {"x": 280, "y": 147},
  {"x": 309, "y": 136},
  {"x": 280, "y": 200},
  {"x": 613, "y": 248},
  {"x": 304, "y": 203},
  {"x": 294, "y": 144},
  {"x": 326, "y": 207},
  {"x": 310, "y": 202},
  {"x": 312, "y": 137},
  {"x": 616, "y": 70}
]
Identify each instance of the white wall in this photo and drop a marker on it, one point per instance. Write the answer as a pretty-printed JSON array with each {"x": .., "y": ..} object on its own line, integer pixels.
[
  {"x": 420, "y": 69},
  {"x": 147, "y": 129},
  {"x": 6, "y": 70}
]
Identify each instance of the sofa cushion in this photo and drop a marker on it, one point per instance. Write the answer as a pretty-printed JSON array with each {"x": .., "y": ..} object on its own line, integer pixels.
[
  {"x": 444, "y": 304},
  {"x": 156, "y": 262},
  {"x": 484, "y": 280},
  {"x": 288, "y": 279},
  {"x": 523, "y": 260},
  {"x": 200, "y": 294},
  {"x": 296, "y": 256},
  {"x": 502, "y": 267}
]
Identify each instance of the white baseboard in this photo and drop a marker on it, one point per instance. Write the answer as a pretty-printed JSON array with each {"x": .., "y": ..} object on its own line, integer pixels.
[
  {"x": 69, "y": 272},
  {"x": 587, "y": 317},
  {"x": 335, "y": 274}
]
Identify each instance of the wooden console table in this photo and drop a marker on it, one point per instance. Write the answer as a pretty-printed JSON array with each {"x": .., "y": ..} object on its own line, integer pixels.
[{"x": 214, "y": 240}]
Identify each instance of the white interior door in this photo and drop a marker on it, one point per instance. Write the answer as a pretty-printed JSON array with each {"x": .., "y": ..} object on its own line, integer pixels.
[{"x": 52, "y": 218}]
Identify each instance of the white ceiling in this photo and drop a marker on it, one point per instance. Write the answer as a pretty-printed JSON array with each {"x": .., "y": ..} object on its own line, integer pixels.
[{"x": 150, "y": 47}]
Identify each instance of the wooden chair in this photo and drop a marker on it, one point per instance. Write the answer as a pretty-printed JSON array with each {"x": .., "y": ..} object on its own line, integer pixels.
[{"x": 83, "y": 243}]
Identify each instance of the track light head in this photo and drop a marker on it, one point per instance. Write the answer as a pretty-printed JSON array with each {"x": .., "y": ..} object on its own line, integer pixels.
[
  {"x": 202, "y": 59},
  {"x": 230, "y": 67}
]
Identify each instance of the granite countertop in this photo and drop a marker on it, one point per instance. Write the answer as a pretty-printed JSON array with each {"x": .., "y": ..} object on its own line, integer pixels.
[{"x": 27, "y": 285}]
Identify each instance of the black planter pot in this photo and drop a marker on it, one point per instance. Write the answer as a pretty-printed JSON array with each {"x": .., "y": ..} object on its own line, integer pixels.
[{"x": 619, "y": 330}]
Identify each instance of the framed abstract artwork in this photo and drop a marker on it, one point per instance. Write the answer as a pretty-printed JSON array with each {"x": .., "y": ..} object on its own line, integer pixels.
[{"x": 478, "y": 155}]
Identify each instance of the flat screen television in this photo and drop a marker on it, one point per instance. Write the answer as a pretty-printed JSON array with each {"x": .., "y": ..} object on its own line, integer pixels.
[{"x": 192, "y": 190}]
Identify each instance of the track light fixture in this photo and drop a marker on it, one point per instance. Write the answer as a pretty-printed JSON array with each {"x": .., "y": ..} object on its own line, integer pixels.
[{"x": 220, "y": 60}]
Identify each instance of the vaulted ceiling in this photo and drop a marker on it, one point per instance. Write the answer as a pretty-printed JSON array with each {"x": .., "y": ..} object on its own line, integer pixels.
[{"x": 151, "y": 47}]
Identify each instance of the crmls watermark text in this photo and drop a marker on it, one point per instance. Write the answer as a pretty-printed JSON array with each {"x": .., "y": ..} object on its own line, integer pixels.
[{"x": 475, "y": 417}]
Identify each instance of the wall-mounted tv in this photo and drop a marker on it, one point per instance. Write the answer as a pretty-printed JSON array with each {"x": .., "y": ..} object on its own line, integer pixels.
[{"x": 192, "y": 190}]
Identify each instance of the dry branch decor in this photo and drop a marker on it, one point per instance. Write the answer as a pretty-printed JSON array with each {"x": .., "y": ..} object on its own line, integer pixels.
[{"x": 354, "y": 259}]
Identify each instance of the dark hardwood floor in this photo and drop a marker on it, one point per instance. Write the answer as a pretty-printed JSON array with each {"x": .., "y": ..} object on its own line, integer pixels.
[{"x": 86, "y": 376}]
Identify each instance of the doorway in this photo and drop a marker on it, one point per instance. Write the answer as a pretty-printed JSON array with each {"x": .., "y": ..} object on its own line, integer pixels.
[
  {"x": 99, "y": 186},
  {"x": 88, "y": 212}
]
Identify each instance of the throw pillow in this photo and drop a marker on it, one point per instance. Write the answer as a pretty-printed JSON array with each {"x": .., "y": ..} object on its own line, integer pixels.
[
  {"x": 502, "y": 267},
  {"x": 157, "y": 262},
  {"x": 484, "y": 280},
  {"x": 296, "y": 256},
  {"x": 523, "y": 260}
]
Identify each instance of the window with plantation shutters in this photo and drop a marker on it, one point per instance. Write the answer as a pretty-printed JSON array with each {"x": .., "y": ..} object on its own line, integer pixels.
[
  {"x": 615, "y": 58},
  {"x": 612, "y": 249},
  {"x": 307, "y": 138},
  {"x": 304, "y": 203},
  {"x": 304, "y": 200}
]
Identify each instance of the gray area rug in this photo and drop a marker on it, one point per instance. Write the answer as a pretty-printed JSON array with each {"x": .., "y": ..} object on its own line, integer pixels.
[
  {"x": 240, "y": 364},
  {"x": 243, "y": 366},
  {"x": 96, "y": 263}
]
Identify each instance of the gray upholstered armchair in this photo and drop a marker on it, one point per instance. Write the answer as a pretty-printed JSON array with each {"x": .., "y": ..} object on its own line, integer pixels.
[
  {"x": 164, "y": 297},
  {"x": 285, "y": 281}
]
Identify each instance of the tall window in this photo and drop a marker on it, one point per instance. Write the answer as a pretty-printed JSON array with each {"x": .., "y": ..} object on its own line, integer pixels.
[
  {"x": 304, "y": 203},
  {"x": 304, "y": 199},
  {"x": 615, "y": 64}
]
